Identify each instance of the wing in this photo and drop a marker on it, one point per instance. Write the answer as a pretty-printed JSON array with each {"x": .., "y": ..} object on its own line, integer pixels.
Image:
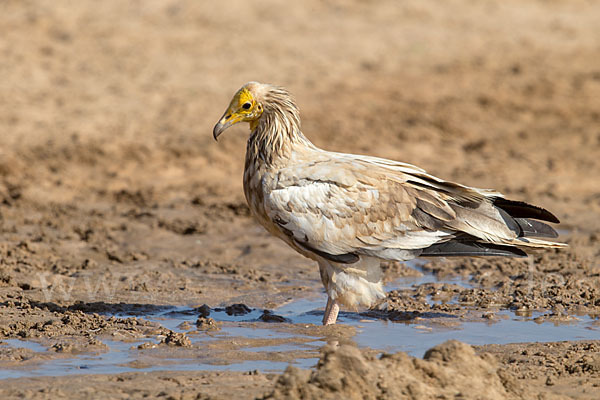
[{"x": 343, "y": 207}]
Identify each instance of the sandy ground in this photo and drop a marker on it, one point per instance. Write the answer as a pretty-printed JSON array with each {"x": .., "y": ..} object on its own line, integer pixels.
[{"x": 115, "y": 198}]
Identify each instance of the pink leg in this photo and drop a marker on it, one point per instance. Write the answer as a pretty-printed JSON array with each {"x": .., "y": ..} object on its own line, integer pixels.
[{"x": 331, "y": 312}]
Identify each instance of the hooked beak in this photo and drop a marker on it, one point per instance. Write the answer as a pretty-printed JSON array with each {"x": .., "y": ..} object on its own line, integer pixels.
[
  {"x": 220, "y": 127},
  {"x": 225, "y": 122}
]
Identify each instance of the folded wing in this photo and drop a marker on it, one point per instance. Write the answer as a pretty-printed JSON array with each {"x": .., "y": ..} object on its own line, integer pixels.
[{"x": 344, "y": 206}]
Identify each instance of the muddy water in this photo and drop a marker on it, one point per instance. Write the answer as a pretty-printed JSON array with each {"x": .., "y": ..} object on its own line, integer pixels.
[{"x": 242, "y": 340}]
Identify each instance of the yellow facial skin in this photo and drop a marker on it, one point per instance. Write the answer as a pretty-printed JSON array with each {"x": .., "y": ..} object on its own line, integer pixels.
[{"x": 243, "y": 108}]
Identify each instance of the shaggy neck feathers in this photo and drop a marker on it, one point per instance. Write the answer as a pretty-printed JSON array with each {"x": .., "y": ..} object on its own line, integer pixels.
[{"x": 277, "y": 131}]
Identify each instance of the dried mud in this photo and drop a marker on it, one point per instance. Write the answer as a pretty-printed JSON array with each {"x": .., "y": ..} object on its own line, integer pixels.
[{"x": 116, "y": 203}]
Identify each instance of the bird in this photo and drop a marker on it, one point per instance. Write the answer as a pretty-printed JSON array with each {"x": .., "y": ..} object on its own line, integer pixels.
[{"x": 350, "y": 212}]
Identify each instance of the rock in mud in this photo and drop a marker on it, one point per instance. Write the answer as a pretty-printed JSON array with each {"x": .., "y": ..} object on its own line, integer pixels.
[
  {"x": 208, "y": 324},
  {"x": 177, "y": 339},
  {"x": 203, "y": 310},
  {"x": 237, "y": 309},
  {"x": 268, "y": 316}
]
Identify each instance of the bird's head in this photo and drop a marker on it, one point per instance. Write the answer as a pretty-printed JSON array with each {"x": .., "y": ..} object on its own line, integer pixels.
[{"x": 246, "y": 106}]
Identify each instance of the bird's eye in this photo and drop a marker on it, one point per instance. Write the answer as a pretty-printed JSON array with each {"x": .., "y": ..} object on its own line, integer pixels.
[{"x": 246, "y": 106}]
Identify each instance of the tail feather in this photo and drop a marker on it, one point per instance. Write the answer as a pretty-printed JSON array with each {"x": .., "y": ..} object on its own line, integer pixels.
[
  {"x": 517, "y": 216},
  {"x": 529, "y": 242}
]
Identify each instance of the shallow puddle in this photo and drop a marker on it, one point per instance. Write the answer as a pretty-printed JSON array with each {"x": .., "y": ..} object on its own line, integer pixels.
[{"x": 246, "y": 343}]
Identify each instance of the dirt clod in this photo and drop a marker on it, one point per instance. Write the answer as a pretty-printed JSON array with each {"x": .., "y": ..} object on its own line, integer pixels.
[
  {"x": 237, "y": 309},
  {"x": 207, "y": 324},
  {"x": 448, "y": 370},
  {"x": 176, "y": 339}
]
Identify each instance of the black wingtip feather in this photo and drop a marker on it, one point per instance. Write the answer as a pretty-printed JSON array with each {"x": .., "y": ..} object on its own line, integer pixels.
[
  {"x": 456, "y": 248},
  {"x": 520, "y": 209},
  {"x": 530, "y": 227}
]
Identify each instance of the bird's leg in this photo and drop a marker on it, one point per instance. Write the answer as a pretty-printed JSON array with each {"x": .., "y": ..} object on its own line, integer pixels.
[
  {"x": 331, "y": 312},
  {"x": 327, "y": 309}
]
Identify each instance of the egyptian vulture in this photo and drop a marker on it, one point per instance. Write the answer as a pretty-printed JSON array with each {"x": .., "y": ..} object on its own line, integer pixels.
[{"x": 348, "y": 212}]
